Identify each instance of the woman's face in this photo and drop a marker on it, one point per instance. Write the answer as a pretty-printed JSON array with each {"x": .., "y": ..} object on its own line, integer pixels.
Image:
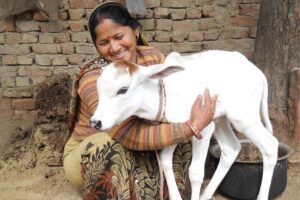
[{"x": 116, "y": 42}]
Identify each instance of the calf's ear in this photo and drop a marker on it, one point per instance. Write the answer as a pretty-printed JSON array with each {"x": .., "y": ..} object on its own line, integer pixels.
[{"x": 161, "y": 70}]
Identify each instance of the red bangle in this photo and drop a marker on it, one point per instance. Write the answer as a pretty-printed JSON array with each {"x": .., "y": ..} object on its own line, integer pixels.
[{"x": 194, "y": 128}]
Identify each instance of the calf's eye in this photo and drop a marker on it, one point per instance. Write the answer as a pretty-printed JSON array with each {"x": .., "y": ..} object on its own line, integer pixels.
[{"x": 122, "y": 90}]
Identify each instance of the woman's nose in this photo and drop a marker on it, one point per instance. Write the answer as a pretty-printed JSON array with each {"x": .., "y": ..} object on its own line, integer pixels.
[{"x": 114, "y": 46}]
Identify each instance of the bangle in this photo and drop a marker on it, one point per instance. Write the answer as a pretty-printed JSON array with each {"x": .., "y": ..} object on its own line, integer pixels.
[{"x": 194, "y": 128}]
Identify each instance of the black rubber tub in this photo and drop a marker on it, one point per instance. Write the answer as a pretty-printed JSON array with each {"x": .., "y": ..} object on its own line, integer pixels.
[{"x": 244, "y": 177}]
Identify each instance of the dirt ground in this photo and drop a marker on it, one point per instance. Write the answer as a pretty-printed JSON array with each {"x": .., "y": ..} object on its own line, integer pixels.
[
  {"x": 28, "y": 173},
  {"x": 24, "y": 168}
]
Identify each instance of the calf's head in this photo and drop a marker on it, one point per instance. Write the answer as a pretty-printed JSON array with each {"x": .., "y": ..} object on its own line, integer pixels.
[{"x": 122, "y": 88}]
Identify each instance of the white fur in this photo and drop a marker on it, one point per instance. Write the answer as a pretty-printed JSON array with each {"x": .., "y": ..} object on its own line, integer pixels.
[{"x": 242, "y": 101}]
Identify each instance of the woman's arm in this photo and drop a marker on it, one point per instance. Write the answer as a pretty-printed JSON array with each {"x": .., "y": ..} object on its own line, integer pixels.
[{"x": 137, "y": 134}]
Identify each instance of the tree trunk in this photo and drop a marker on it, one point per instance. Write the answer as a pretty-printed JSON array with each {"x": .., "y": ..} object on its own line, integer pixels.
[{"x": 277, "y": 53}]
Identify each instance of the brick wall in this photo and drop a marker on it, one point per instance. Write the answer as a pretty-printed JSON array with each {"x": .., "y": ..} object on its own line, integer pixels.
[{"x": 33, "y": 48}]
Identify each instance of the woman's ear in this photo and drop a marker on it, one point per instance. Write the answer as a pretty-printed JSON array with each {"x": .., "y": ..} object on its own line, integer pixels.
[{"x": 137, "y": 33}]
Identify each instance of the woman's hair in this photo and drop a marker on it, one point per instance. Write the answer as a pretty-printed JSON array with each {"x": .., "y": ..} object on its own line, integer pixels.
[{"x": 116, "y": 12}]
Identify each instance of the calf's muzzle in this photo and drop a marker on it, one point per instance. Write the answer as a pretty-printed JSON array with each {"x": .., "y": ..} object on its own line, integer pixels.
[{"x": 97, "y": 124}]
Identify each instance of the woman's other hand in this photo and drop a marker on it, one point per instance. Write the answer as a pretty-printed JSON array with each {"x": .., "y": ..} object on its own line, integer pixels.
[{"x": 203, "y": 111}]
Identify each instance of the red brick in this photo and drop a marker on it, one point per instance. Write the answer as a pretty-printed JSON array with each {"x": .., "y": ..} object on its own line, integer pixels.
[
  {"x": 13, "y": 38},
  {"x": 196, "y": 36},
  {"x": 70, "y": 70},
  {"x": 15, "y": 49},
  {"x": 250, "y": 10},
  {"x": 187, "y": 47},
  {"x": 28, "y": 38},
  {"x": 160, "y": 13},
  {"x": 193, "y": 13},
  {"x": 59, "y": 60},
  {"x": 6, "y": 114},
  {"x": 76, "y": 14},
  {"x": 164, "y": 25},
  {"x": 177, "y": 14},
  {"x": 25, "y": 60},
  {"x": 207, "y": 23},
  {"x": 186, "y": 26},
  {"x": 10, "y": 24},
  {"x": 149, "y": 14},
  {"x": 63, "y": 15},
  {"x": 25, "y": 114},
  {"x": 67, "y": 48},
  {"x": 236, "y": 32},
  {"x": 21, "y": 114},
  {"x": 211, "y": 34},
  {"x": 45, "y": 48},
  {"x": 34, "y": 71},
  {"x": 8, "y": 71},
  {"x": 76, "y": 26},
  {"x": 90, "y": 4},
  {"x": 5, "y": 104},
  {"x": 9, "y": 60},
  {"x": 149, "y": 35},
  {"x": 27, "y": 26},
  {"x": 62, "y": 37},
  {"x": 252, "y": 32},
  {"x": 76, "y": 59},
  {"x": 85, "y": 49},
  {"x": 221, "y": 2},
  {"x": 152, "y": 3},
  {"x": 162, "y": 36},
  {"x": 243, "y": 21},
  {"x": 40, "y": 16},
  {"x": 178, "y": 36},
  {"x": 51, "y": 27},
  {"x": 77, "y": 4},
  {"x": 43, "y": 59},
  {"x": 2, "y": 25},
  {"x": 81, "y": 37},
  {"x": 23, "y": 104},
  {"x": 147, "y": 24},
  {"x": 17, "y": 92},
  {"x": 176, "y": 3},
  {"x": 8, "y": 82}
]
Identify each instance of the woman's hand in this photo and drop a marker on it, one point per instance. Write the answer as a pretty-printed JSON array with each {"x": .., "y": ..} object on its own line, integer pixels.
[{"x": 202, "y": 112}]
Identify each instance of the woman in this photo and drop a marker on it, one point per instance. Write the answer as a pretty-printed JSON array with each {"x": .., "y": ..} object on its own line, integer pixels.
[{"x": 97, "y": 162}]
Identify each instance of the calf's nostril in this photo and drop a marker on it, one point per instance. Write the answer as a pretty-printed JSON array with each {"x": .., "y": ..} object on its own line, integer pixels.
[{"x": 98, "y": 124}]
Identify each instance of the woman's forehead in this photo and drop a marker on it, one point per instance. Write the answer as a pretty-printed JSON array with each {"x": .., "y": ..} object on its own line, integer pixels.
[{"x": 108, "y": 27}]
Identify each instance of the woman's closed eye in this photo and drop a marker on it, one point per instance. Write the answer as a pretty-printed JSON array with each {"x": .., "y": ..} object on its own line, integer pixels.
[
  {"x": 119, "y": 36},
  {"x": 103, "y": 43},
  {"x": 122, "y": 90}
]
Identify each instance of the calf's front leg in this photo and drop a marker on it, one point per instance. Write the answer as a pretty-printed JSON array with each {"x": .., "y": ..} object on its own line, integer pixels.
[
  {"x": 199, "y": 154},
  {"x": 166, "y": 157}
]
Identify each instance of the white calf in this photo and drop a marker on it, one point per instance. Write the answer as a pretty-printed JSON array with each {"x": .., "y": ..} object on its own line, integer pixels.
[{"x": 126, "y": 89}]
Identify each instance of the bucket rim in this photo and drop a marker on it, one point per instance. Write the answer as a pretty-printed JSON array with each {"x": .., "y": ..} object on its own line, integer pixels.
[{"x": 289, "y": 151}]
